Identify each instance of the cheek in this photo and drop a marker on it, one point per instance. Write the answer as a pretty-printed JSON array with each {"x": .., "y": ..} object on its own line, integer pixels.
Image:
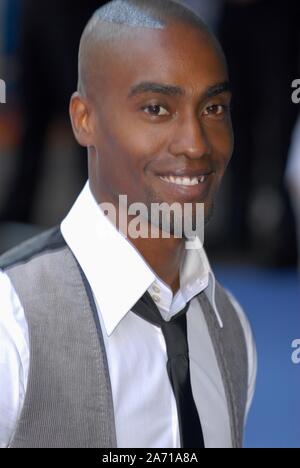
[
  {"x": 142, "y": 138},
  {"x": 136, "y": 147},
  {"x": 123, "y": 160}
]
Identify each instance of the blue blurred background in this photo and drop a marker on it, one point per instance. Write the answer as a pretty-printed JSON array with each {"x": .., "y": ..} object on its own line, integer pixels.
[
  {"x": 271, "y": 299},
  {"x": 252, "y": 241}
]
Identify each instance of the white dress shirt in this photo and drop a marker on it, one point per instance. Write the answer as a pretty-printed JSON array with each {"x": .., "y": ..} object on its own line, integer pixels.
[{"x": 144, "y": 404}]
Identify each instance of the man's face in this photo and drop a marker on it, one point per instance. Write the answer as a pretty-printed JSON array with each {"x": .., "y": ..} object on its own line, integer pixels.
[{"x": 161, "y": 111}]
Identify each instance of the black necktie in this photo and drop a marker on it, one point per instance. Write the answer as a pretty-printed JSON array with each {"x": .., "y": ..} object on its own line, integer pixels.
[{"x": 178, "y": 367}]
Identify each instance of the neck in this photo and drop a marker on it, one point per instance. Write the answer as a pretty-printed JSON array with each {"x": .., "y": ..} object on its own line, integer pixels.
[{"x": 164, "y": 256}]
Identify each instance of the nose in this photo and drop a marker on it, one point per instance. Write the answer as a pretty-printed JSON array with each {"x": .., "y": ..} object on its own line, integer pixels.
[{"x": 190, "y": 139}]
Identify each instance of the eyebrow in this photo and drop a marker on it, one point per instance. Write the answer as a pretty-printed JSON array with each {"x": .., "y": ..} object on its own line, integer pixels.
[
  {"x": 171, "y": 90},
  {"x": 158, "y": 88},
  {"x": 219, "y": 88}
]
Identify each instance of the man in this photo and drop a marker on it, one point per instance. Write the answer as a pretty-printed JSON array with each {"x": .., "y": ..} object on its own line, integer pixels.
[{"x": 82, "y": 366}]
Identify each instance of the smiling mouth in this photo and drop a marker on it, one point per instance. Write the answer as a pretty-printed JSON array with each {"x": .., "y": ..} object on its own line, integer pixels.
[{"x": 185, "y": 181}]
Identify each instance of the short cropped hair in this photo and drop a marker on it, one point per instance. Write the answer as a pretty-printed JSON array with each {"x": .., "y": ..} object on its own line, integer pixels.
[{"x": 110, "y": 20}]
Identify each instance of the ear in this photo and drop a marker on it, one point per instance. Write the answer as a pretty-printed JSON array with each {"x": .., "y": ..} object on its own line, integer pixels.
[{"x": 81, "y": 120}]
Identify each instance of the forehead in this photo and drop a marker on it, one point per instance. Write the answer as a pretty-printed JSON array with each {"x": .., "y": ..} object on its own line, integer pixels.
[{"x": 179, "y": 55}]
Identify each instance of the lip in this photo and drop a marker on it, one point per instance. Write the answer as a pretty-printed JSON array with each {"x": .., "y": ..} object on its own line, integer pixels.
[
  {"x": 187, "y": 193},
  {"x": 186, "y": 173}
]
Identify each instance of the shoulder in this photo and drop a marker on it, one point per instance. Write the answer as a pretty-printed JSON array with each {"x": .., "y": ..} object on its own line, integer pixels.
[
  {"x": 250, "y": 345},
  {"x": 226, "y": 301},
  {"x": 51, "y": 239}
]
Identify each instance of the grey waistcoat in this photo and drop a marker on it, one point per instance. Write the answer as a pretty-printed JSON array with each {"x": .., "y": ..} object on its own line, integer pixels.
[{"x": 68, "y": 401}]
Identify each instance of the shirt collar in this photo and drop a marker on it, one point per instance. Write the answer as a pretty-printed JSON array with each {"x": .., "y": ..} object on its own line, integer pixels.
[
  {"x": 196, "y": 276},
  {"x": 115, "y": 270}
]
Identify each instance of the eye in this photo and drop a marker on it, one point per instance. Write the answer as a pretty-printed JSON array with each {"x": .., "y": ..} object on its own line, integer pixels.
[
  {"x": 216, "y": 110},
  {"x": 156, "y": 110}
]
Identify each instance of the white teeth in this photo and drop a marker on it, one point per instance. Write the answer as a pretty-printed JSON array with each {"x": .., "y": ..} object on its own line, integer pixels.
[
  {"x": 202, "y": 179},
  {"x": 187, "y": 181}
]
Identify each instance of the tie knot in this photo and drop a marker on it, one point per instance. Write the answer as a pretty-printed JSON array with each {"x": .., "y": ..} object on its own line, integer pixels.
[{"x": 148, "y": 310}]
